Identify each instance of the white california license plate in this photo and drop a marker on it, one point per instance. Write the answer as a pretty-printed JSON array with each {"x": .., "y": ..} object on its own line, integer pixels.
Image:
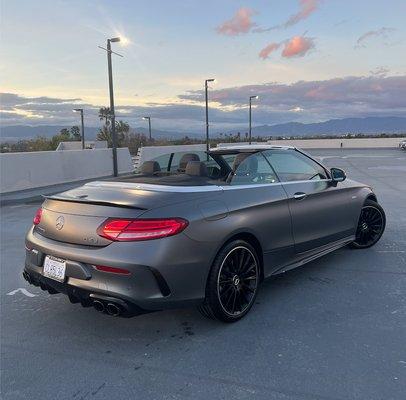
[{"x": 54, "y": 268}]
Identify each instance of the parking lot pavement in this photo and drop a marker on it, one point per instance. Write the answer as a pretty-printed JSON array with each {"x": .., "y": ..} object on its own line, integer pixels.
[{"x": 333, "y": 329}]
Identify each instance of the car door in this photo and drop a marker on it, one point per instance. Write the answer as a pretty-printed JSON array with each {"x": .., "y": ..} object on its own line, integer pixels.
[
  {"x": 320, "y": 210},
  {"x": 258, "y": 204}
]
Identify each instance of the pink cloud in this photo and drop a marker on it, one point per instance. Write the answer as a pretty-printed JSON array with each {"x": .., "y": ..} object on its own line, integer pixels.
[
  {"x": 297, "y": 46},
  {"x": 266, "y": 51},
  {"x": 307, "y": 7},
  {"x": 240, "y": 23}
]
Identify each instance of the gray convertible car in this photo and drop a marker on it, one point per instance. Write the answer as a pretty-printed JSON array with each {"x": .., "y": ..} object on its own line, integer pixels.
[{"x": 196, "y": 229}]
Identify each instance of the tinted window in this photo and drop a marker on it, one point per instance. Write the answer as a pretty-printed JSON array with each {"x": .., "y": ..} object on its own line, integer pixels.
[
  {"x": 291, "y": 165},
  {"x": 251, "y": 169}
]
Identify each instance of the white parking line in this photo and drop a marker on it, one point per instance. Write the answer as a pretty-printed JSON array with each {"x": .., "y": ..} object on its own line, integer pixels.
[{"x": 23, "y": 291}]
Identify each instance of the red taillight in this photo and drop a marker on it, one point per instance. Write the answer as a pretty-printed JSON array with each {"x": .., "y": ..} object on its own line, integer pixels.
[
  {"x": 112, "y": 270},
  {"x": 37, "y": 217},
  {"x": 128, "y": 230}
]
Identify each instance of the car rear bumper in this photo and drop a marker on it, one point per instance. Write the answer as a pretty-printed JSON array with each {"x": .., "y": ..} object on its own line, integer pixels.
[{"x": 164, "y": 273}]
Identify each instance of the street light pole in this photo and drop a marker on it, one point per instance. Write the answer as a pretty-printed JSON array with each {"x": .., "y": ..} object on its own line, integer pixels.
[
  {"x": 206, "y": 86},
  {"x": 149, "y": 126},
  {"x": 112, "y": 115},
  {"x": 83, "y": 126},
  {"x": 250, "y": 118}
]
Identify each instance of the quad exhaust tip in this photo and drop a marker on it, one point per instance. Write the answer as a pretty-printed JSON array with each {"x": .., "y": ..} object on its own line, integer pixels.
[
  {"x": 109, "y": 308},
  {"x": 113, "y": 310},
  {"x": 98, "y": 305}
]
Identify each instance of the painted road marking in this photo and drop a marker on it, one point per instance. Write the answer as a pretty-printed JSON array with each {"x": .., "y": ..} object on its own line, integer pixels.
[{"x": 23, "y": 291}]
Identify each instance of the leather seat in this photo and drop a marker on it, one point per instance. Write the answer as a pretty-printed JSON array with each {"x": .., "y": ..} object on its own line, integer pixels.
[
  {"x": 150, "y": 168},
  {"x": 196, "y": 168},
  {"x": 185, "y": 159}
]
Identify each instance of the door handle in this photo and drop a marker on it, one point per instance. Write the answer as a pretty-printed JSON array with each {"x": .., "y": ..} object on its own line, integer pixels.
[{"x": 299, "y": 195}]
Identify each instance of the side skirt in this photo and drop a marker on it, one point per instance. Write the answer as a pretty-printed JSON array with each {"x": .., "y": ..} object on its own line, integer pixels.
[{"x": 321, "y": 251}]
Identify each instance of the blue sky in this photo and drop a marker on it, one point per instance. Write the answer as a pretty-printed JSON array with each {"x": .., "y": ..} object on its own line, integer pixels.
[{"x": 49, "y": 50}]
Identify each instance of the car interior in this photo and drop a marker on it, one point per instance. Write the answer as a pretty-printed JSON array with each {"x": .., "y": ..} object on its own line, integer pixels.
[{"x": 226, "y": 167}]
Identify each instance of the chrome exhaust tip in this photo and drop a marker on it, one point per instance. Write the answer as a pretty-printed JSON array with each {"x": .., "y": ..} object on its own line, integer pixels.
[
  {"x": 98, "y": 305},
  {"x": 113, "y": 309}
]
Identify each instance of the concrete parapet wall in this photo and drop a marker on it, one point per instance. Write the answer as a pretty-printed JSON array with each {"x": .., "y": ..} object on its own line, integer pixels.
[
  {"x": 336, "y": 143},
  {"x": 329, "y": 143},
  {"x": 21, "y": 171}
]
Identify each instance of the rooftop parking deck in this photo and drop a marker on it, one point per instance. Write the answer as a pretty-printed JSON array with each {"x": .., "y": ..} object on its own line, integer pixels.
[{"x": 333, "y": 329}]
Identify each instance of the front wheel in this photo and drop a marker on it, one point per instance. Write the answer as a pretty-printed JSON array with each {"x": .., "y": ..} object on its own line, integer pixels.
[
  {"x": 233, "y": 282},
  {"x": 371, "y": 225}
]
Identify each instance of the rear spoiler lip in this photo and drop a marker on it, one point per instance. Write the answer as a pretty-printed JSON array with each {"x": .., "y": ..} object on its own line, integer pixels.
[{"x": 95, "y": 202}]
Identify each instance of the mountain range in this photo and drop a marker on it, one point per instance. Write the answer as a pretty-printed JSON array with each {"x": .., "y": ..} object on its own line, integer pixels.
[{"x": 369, "y": 125}]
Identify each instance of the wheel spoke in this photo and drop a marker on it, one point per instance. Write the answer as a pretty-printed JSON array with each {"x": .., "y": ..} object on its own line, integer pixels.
[{"x": 237, "y": 282}]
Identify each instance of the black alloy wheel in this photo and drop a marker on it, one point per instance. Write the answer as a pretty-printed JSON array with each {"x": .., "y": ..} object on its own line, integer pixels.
[
  {"x": 233, "y": 282},
  {"x": 371, "y": 225}
]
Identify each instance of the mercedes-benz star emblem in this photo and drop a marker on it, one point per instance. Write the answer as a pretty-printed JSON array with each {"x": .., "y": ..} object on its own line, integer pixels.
[{"x": 60, "y": 222}]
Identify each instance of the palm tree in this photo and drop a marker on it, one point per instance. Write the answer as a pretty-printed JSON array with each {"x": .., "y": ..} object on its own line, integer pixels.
[
  {"x": 122, "y": 129},
  {"x": 104, "y": 114},
  {"x": 104, "y": 134}
]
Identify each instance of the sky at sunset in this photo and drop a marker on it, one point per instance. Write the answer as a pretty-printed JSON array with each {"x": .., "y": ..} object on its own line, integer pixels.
[{"x": 308, "y": 60}]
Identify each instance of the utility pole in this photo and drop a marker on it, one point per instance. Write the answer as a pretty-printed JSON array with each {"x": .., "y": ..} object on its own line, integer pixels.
[
  {"x": 206, "y": 86},
  {"x": 250, "y": 118},
  {"x": 112, "y": 114},
  {"x": 83, "y": 126}
]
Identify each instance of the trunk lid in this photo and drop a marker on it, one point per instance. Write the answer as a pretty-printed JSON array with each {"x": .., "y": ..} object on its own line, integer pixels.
[{"x": 74, "y": 216}]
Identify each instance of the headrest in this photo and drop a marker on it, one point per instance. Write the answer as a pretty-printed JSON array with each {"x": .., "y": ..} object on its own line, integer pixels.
[
  {"x": 150, "y": 167},
  {"x": 186, "y": 158},
  {"x": 196, "y": 168},
  {"x": 239, "y": 158},
  {"x": 245, "y": 164}
]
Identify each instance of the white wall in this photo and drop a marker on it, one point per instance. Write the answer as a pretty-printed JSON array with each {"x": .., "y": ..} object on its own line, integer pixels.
[
  {"x": 329, "y": 143},
  {"x": 151, "y": 152},
  {"x": 336, "y": 143},
  {"x": 19, "y": 171},
  {"x": 77, "y": 145}
]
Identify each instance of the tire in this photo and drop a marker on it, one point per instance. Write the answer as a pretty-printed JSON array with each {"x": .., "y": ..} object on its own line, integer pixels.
[
  {"x": 233, "y": 282},
  {"x": 371, "y": 225}
]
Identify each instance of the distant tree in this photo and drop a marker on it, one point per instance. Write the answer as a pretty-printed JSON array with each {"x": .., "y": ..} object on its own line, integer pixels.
[
  {"x": 122, "y": 129},
  {"x": 104, "y": 114},
  {"x": 75, "y": 132},
  {"x": 104, "y": 134},
  {"x": 65, "y": 134}
]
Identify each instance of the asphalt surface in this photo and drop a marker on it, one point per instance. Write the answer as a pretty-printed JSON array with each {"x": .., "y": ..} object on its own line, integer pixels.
[{"x": 333, "y": 329}]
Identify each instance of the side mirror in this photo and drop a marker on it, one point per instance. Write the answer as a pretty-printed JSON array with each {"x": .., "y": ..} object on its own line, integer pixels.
[{"x": 337, "y": 175}]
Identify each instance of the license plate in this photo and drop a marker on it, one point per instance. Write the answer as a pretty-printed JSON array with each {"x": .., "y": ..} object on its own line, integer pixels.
[{"x": 54, "y": 268}]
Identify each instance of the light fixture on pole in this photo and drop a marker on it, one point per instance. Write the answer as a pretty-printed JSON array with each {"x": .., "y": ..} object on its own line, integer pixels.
[
  {"x": 112, "y": 115},
  {"x": 206, "y": 86},
  {"x": 250, "y": 118},
  {"x": 149, "y": 125},
  {"x": 83, "y": 125}
]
